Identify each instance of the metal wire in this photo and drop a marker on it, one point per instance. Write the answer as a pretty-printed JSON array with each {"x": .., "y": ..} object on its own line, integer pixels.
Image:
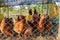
[{"x": 44, "y": 35}]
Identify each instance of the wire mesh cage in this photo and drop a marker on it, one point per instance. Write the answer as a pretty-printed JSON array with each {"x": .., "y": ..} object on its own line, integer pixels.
[{"x": 29, "y": 22}]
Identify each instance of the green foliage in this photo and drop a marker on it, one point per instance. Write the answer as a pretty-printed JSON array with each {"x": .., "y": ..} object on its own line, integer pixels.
[
  {"x": 41, "y": 9},
  {"x": 1, "y": 17}
]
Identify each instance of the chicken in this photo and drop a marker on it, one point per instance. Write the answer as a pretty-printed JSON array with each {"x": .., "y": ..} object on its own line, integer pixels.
[
  {"x": 35, "y": 16},
  {"x": 19, "y": 25},
  {"x": 35, "y": 19},
  {"x": 28, "y": 32},
  {"x": 48, "y": 23},
  {"x": 5, "y": 28},
  {"x": 44, "y": 23},
  {"x": 22, "y": 27},
  {"x": 41, "y": 24},
  {"x": 2, "y": 25}
]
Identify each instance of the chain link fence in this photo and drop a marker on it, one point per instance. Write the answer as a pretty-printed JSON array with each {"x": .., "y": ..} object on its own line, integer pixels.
[{"x": 49, "y": 22}]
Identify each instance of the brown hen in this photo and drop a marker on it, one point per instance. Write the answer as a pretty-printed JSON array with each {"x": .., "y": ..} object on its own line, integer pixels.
[
  {"x": 5, "y": 29},
  {"x": 41, "y": 23},
  {"x": 48, "y": 23},
  {"x": 28, "y": 32},
  {"x": 2, "y": 25},
  {"x": 19, "y": 25}
]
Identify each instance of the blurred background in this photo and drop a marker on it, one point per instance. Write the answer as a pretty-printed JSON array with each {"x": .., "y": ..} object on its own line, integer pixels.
[{"x": 10, "y": 8}]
